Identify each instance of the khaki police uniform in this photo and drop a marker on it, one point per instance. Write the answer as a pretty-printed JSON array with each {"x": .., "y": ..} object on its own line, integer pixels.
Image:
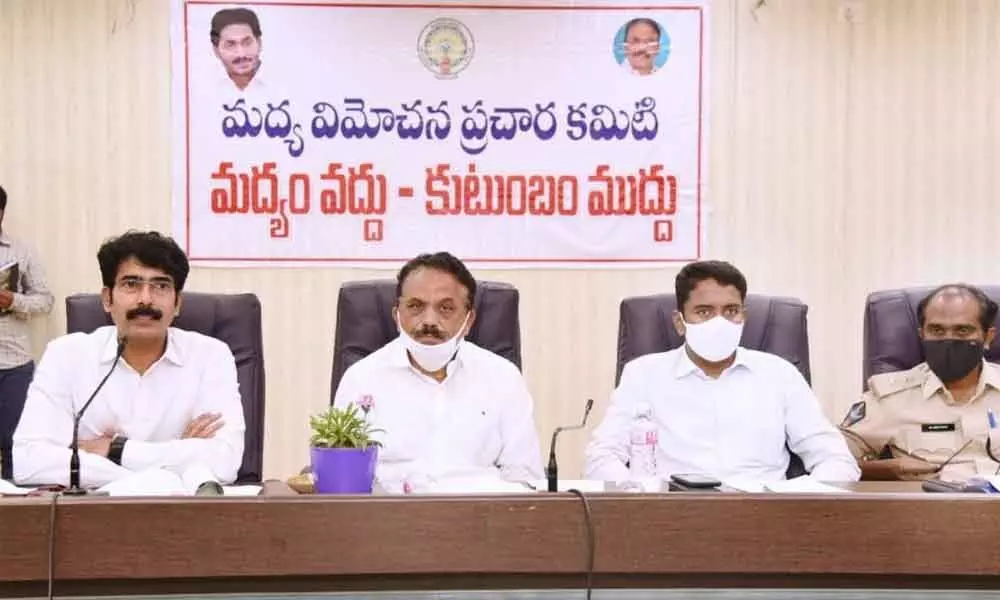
[{"x": 910, "y": 413}]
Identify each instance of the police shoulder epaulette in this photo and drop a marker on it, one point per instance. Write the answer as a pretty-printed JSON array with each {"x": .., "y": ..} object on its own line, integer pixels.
[{"x": 887, "y": 384}]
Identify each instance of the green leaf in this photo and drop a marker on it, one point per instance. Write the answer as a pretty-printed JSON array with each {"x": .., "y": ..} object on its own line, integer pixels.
[{"x": 342, "y": 428}]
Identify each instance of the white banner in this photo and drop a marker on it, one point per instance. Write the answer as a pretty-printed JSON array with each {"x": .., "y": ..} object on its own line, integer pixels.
[{"x": 354, "y": 134}]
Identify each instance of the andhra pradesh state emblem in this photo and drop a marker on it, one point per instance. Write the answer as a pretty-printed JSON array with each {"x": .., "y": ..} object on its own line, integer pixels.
[{"x": 445, "y": 47}]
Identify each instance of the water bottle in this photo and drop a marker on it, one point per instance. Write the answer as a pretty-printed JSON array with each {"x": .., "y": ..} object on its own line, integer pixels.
[{"x": 642, "y": 445}]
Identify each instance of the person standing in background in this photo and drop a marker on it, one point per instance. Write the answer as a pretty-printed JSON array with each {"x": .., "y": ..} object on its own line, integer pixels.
[{"x": 23, "y": 293}]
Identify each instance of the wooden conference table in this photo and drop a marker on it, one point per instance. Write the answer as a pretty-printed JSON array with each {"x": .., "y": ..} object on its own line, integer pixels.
[{"x": 883, "y": 536}]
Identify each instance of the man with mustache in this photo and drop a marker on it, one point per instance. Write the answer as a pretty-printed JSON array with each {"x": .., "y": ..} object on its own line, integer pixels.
[
  {"x": 171, "y": 400},
  {"x": 642, "y": 44},
  {"x": 449, "y": 410},
  {"x": 932, "y": 421},
  {"x": 236, "y": 42}
]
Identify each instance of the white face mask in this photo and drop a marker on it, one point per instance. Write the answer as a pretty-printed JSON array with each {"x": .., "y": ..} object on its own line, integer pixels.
[
  {"x": 434, "y": 357},
  {"x": 714, "y": 340}
]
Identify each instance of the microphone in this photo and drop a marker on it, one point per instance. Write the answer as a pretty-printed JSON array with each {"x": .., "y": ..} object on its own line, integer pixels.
[
  {"x": 552, "y": 470},
  {"x": 197, "y": 478},
  {"x": 74, "y": 488},
  {"x": 209, "y": 488}
]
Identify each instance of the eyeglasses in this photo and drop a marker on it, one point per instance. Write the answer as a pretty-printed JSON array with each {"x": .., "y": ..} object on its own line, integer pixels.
[
  {"x": 641, "y": 44},
  {"x": 158, "y": 286}
]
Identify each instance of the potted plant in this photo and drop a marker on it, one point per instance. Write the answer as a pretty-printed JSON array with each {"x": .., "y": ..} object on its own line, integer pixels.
[{"x": 342, "y": 453}]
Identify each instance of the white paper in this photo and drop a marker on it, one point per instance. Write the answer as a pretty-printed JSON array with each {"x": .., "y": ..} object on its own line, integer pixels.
[
  {"x": 242, "y": 490},
  {"x": 475, "y": 485},
  {"x": 151, "y": 482},
  {"x": 803, "y": 485},
  {"x": 749, "y": 486},
  {"x": 9, "y": 489},
  {"x": 646, "y": 485},
  {"x": 564, "y": 485},
  {"x": 161, "y": 482},
  {"x": 195, "y": 475}
]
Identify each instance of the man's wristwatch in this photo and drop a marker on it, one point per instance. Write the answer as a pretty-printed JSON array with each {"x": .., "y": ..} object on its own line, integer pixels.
[{"x": 116, "y": 449}]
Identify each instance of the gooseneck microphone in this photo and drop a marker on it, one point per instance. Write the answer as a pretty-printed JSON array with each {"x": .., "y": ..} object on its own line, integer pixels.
[
  {"x": 74, "y": 488},
  {"x": 552, "y": 470}
]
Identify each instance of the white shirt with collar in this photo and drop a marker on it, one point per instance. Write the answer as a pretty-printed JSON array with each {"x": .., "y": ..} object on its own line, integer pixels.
[
  {"x": 228, "y": 92},
  {"x": 195, "y": 375},
  {"x": 625, "y": 64},
  {"x": 477, "y": 422},
  {"x": 733, "y": 427}
]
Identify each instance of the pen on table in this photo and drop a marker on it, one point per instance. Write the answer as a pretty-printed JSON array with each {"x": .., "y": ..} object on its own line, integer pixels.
[{"x": 991, "y": 418}]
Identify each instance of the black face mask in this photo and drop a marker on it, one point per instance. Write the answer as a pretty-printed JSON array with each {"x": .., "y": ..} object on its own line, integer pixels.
[{"x": 952, "y": 360}]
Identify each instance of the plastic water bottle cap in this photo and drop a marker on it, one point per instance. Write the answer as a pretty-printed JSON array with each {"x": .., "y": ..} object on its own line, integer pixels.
[{"x": 643, "y": 410}]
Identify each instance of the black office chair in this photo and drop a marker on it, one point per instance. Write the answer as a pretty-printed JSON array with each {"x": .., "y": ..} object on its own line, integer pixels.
[
  {"x": 232, "y": 318},
  {"x": 774, "y": 324}
]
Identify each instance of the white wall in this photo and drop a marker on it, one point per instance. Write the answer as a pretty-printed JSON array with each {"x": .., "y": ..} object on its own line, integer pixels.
[{"x": 844, "y": 158}]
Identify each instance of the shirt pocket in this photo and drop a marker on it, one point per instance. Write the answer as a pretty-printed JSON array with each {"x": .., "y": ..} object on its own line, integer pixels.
[
  {"x": 478, "y": 433},
  {"x": 753, "y": 425},
  {"x": 927, "y": 440}
]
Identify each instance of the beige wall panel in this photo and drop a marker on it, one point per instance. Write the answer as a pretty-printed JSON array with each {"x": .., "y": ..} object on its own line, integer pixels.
[{"x": 844, "y": 158}]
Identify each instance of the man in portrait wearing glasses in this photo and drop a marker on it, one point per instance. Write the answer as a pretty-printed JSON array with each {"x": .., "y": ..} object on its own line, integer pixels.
[
  {"x": 449, "y": 410},
  {"x": 171, "y": 399},
  {"x": 720, "y": 410},
  {"x": 932, "y": 421},
  {"x": 642, "y": 45}
]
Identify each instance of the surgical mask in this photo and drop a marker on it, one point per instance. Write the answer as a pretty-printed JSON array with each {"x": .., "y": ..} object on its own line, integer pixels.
[
  {"x": 714, "y": 340},
  {"x": 952, "y": 359},
  {"x": 434, "y": 357}
]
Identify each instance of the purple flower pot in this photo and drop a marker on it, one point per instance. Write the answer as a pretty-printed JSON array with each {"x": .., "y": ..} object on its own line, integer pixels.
[{"x": 343, "y": 470}]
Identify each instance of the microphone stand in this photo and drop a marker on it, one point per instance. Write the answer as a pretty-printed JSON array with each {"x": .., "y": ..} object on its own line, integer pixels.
[
  {"x": 74, "y": 488},
  {"x": 552, "y": 470}
]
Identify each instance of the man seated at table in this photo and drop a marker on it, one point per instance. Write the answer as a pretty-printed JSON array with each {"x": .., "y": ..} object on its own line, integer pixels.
[
  {"x": 931, "y": 421},
  {"x": 171, "y": 400},
  {"x": 447, "y": 408},
  {"x": 719, "y": 409}
]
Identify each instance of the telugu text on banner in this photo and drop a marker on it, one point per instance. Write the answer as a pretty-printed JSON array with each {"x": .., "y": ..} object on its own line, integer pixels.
[{"x": 361, "y": 134}]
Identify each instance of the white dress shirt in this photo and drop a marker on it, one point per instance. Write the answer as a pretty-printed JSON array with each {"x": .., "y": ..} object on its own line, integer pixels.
[
  {"x": 227, "y": 92},
  {"x": 625, "y": 64},
  {"x": 477, "y": 422},
  {"x": 195, "y": 375},
  {"x": 733, "y": 427}
]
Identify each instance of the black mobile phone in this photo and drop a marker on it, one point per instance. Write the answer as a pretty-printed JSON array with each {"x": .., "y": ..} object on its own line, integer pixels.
[
  {"x": 696, "y": 481},
  {"x": 932, "y": 485},
  {"x": 954, "y": 487}
]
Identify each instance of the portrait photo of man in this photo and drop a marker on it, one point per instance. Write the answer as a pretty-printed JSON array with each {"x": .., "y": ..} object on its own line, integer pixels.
[
  {"x": 236, "y": 42},
  {"x": 641, "y": 46}
]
